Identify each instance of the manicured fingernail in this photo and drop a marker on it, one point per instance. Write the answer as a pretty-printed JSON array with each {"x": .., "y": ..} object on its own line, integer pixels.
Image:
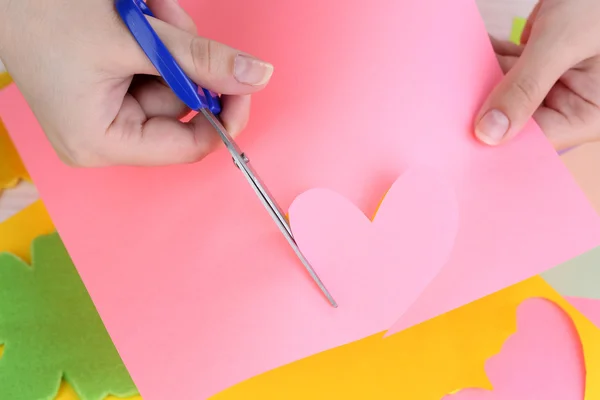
[
  {"x": 492, "y": 128},
  {"x": 251, "y": 71}
]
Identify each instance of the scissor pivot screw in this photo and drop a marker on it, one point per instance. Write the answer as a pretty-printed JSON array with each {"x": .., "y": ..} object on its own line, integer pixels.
[{"x": 244, "y": 158}]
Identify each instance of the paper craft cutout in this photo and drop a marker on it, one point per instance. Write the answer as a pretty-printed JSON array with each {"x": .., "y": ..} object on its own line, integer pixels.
[
  {"x": 377, "y": 269},
  {"x": 202, "y": 233},
  {"x": 579, "y": 277},
  {"x": 12, "y": 169},
  {"x": 50, "y": 329},
  {"x": 425, "y": 362},
  {"x": 588, "y": 307},
  {"x": 543, "y": 360}
]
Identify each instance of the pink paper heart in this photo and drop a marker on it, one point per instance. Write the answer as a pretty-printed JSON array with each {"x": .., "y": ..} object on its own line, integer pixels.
[
  {"x": 377, "y": 269},
  {"x": 542, "y": 360}
]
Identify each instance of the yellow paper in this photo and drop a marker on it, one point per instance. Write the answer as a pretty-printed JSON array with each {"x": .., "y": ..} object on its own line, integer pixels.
[
  {"x": 424, "y": 363},
  {"x": 12, "y": 169},
  {"x": 17, "y": 232},
  {"x": 5, "y": 79}
]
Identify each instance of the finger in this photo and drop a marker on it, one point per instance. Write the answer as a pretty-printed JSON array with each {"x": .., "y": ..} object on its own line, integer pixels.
[
  {"x": 506, "y": 48},
  {"x": 236, "y": 113},
  {"x": 172, "y": 13},
  {"x": 568, "y": 103},
  {"x": 584, "y": 80},
  {"x": 582, "y": 117},
  {"x": 213, "y": 65},
  {"x": 530, "y": 20},
  {"x": 156, "y": 98},
  {"x": 560, "y": 131},
  {"x": 132, "y": 139},
  {"x": 556, "y": 127},
  {"x": 506, "y": 62},
  {"x": 514, "y": 100}
]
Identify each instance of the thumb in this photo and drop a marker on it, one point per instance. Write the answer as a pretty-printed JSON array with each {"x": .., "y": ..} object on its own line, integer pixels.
[
  {"x": 212, "y": 65},
  {"x": 514, "y": 100}
]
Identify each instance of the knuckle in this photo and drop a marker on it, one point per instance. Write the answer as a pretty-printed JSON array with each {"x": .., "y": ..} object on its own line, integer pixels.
[
  {"x": 207, "y": 56},
  {"x": 526, "y": 89}
]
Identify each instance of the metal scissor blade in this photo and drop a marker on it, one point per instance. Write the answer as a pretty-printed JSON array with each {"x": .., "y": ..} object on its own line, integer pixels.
[{"x": 278, "y": 216}]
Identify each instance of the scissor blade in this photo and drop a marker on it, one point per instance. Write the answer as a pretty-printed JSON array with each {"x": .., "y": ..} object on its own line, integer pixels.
[{"x": 269, "y": 203}]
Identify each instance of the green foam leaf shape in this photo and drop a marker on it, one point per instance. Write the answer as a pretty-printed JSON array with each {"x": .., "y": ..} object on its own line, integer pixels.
[{"x": 51, "y": 330}]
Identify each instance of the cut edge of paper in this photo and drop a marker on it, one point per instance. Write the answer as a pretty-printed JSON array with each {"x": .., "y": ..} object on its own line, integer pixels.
[
  {"x": 590, "y": 308},
  {"x": 455, "y": 394}
]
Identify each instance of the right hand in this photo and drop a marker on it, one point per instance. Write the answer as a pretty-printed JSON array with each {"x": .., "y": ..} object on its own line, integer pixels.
[{"x": 98, "y": 97}]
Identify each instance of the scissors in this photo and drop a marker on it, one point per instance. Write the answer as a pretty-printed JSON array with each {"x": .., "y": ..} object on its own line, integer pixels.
[{"x": 133, "y": 13}]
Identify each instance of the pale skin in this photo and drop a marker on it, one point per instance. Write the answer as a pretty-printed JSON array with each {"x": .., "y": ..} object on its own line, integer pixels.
[
  {"x": 87, "y": 80},
  {"x": 554, "y": 76}
]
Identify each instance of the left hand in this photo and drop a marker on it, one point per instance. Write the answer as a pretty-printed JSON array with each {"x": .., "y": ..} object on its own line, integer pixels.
[{"x": 553, "y": 75}]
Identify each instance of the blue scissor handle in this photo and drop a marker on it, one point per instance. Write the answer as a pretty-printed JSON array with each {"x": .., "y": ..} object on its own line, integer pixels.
[{"x": 133, "y": 13}]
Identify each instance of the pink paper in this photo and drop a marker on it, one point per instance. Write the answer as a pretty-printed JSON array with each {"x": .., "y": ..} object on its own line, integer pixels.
[
  {"x": 588, "y": 307},
  {"x": 543, "y": 360},
  {"x": 415, "y": 226},
  {"x": 179, "y": 255}
]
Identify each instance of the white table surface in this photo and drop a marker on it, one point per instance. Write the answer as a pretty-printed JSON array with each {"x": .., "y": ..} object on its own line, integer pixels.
[{"x": 497, "y": 14}]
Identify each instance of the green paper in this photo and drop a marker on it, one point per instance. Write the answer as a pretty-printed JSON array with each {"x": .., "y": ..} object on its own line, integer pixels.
[
  {"x": 579, "y": 277},
  {"x": 51, "y": 330},
  {"x": 517, "y": 29}
]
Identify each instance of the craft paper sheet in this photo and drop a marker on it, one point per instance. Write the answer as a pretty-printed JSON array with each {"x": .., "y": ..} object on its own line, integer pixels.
[{"x": 360, "y": 94}]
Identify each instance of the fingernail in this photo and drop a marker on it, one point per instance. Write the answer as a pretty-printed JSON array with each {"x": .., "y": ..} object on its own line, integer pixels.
[
  {"x": 251, "y": 71},
  {"x": 492, "y": 128}
]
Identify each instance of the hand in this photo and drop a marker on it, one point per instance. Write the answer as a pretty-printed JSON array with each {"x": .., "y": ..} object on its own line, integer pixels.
[
  {"x": 554, "y": 76},
  {"x": 97, "y": 96}
]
